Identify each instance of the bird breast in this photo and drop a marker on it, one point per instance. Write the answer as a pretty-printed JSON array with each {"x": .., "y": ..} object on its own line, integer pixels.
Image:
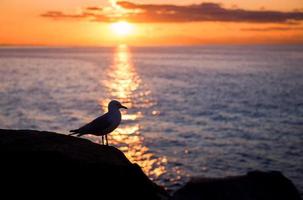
[{"x": 115, "y": 118}]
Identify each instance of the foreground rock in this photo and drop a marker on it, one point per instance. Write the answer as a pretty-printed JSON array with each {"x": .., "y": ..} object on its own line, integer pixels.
[
  {"x": 50, "y": 165},
  {"x": 58, "y": 165},
  {"x": 255, "y": 185}
]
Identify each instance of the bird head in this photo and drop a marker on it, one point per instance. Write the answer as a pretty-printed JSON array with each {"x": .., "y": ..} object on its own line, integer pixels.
[{"x": 115, "y": 105}]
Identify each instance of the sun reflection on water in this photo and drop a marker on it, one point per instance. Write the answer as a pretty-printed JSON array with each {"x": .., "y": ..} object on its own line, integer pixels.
[{"x": 124, "y": 84}]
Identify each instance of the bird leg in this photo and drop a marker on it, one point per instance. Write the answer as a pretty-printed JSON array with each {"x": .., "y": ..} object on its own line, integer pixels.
[
  {"x": 106, "y": 140},
  {"x": 102, "y": 140}
]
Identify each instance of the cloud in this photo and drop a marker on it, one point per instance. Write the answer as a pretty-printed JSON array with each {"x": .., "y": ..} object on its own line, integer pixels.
[
  {"x": 87, "y": 14},
  {"x": 204, "y": 12},
  {"x": 267, "y": 29},
  {"x": 61, "y": 15},
  {"x": 169, "y": 13},
  {"x": 94, "y": 8}
]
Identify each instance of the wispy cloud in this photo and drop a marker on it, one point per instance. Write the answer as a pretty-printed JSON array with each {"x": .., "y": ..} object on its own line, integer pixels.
[
  {"x": 87, "y": 14},
  {"x": 169, "y": 13},
  {"x": 94, "y": 8},
  {"x": 267, "y": 29},
  {"x": 61, "y": 15}
]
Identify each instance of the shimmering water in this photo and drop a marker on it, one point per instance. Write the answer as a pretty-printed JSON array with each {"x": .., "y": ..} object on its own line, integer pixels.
[{"x": 209, "y": 110}]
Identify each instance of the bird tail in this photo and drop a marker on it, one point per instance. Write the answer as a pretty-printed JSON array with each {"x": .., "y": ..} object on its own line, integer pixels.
[{"x": 73, "y": 132}]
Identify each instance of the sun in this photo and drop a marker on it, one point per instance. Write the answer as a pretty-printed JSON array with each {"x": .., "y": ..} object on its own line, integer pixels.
[{"x": 122, "y": 28}]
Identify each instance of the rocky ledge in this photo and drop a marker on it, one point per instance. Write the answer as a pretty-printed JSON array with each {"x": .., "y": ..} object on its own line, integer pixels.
[{"x": 46, "y": 164}]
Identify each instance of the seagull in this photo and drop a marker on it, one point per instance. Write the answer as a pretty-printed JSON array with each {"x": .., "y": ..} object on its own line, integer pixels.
[{"x": 104, "y": 124}]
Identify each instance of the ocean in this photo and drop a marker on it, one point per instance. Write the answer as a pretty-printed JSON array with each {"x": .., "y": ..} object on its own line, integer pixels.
[{"x": 214, "y": 110}]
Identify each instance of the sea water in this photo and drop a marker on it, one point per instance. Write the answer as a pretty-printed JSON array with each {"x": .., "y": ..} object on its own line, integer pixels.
[{"x": 193, "y": 111}]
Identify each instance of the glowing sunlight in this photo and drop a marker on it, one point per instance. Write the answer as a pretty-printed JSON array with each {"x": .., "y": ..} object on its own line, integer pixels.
[
  {"x": 123, "y": 84},
  {"x": 122, "y": 28}
]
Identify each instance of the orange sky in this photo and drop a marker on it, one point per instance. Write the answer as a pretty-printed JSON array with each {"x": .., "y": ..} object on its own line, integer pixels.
[{"x": 77, "y": 23}]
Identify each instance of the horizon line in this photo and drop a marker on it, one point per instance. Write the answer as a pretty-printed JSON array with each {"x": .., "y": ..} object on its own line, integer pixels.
[{"x": 148, "y": 45}]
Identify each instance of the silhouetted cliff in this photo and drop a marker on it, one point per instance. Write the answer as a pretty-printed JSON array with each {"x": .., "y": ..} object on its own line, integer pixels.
[{"x": 56, "y": 164}]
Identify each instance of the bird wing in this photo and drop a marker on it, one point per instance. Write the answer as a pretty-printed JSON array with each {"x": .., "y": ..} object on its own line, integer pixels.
[{"x": 95, "y": 126}]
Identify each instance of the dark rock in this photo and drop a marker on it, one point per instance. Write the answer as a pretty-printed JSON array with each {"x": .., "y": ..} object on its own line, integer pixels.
[
  {"x": 50, "y": 165},
  {"x": 255, "y": 185},
  {"x": 34, "y": 163}
]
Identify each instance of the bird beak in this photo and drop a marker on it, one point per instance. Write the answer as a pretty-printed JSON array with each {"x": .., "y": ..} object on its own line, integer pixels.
[{"x": 123, "y": 107}]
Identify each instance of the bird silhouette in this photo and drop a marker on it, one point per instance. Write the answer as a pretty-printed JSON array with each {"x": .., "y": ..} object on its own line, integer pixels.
[{"x": 104, "y": 124}]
